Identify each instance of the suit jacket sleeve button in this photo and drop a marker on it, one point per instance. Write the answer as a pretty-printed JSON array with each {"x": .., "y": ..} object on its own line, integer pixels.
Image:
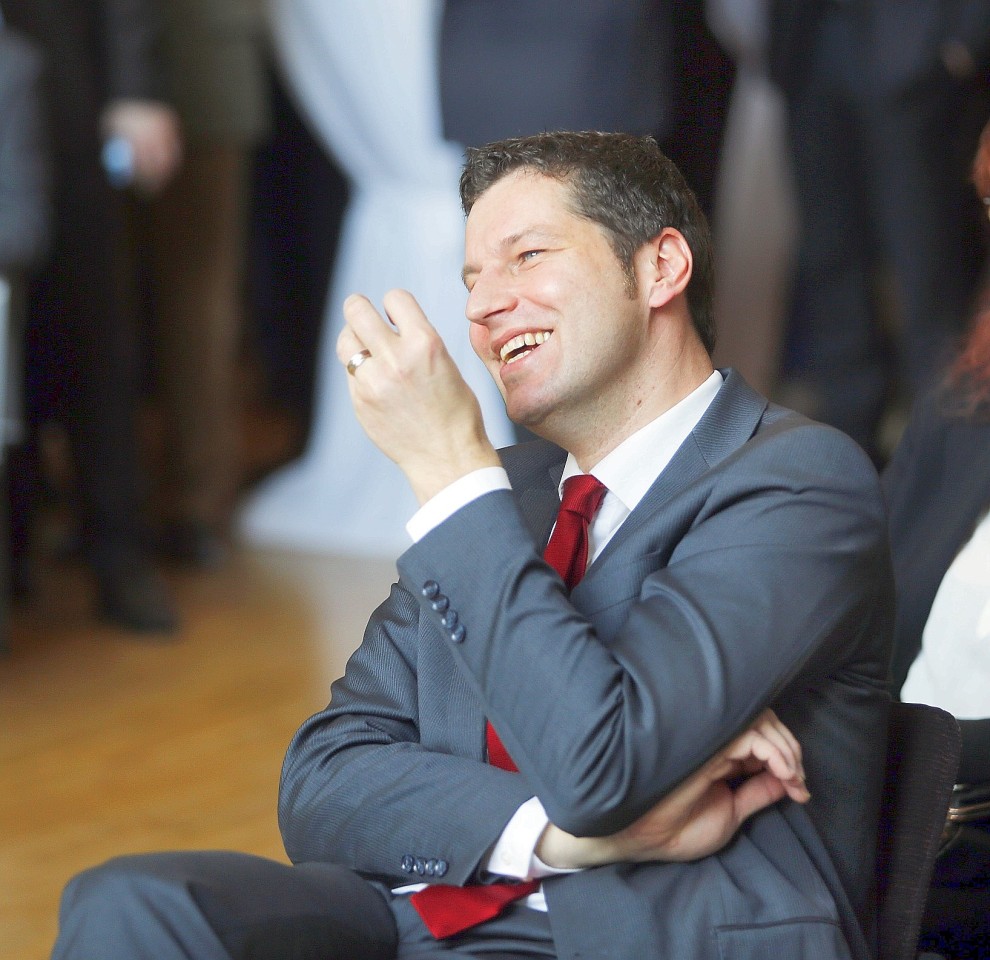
[
  {"x": 420, "y": 867},
  {"x": 440, "y": 604},
  {"x": 441, "y": 867},
  {"x": 457, "y": 634},
  {"x": 449, "y": 620},
  {"x": 407, "y": 864},
  {"x": 430, "y": 589}
]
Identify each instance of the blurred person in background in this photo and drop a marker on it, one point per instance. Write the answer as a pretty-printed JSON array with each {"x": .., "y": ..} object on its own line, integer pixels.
[
  {"x": 646, "y": 67},
  {"x": 554, "y": 66},
  {"x": 516, "y": 68},
  {"x": 25, "y": 225},
  {"x": 938, "y": 487},
  {"x": 884, "y": 106},
  {"x": 188, "y": 246},
  {"x": 101, "y": 86},
  {"x": 25, "y": 214},
  {"x": 298, "y": 194}
]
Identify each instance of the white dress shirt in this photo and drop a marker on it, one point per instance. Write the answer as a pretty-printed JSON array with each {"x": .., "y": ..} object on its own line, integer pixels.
[{"x": 952, "y": 669}]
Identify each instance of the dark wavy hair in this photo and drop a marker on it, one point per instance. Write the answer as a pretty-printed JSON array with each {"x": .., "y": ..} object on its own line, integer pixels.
[
  {"x": 623, "y": 183},
  {"x": 967, "y": 382}
]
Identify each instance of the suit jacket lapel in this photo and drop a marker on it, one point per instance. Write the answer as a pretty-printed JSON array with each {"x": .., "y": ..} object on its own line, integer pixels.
[
  {"x": 540, "y": 505},
  {"x": 534, "y": 470}
]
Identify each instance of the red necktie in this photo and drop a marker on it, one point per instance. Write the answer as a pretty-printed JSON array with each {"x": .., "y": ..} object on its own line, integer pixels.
[{"x": 446, "y": 909}]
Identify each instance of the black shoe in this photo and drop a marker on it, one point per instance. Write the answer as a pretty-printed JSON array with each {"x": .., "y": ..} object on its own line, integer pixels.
[
  {"x": 193, "y": 544},
  {"x": 134, "y": 597}
]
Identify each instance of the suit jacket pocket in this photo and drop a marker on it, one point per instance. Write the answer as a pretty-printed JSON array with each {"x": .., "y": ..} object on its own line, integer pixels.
[{"x": 807, "y": 938}]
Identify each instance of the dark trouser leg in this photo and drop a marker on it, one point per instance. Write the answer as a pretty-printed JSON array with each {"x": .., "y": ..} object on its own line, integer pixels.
[
  {"x": 835, "y": 298},
  {"x": 195, "y": 230},
  {"x": 84, "y": 360},
  {"x": 920, "y": 151},
  {"x": 956, "y": 922},
  {"x": 221, "y": 906}
]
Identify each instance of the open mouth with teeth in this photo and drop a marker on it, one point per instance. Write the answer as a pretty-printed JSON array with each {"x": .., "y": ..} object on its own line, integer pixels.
[{"x": 525, "y": 343}]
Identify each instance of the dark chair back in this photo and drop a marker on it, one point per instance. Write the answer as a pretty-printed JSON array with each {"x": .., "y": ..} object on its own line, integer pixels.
[{"x": 923, "y": 746}]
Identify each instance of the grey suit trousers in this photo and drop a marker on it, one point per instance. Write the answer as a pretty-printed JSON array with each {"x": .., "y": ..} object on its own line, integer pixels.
[{"x": 218, "y": 905}]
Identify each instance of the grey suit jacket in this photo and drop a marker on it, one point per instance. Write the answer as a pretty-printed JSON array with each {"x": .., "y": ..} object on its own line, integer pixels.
[{"x": 754, "y": 572}]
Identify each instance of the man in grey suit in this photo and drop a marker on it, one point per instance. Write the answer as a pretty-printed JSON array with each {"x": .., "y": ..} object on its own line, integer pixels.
[{"x": 738, "y": 563}]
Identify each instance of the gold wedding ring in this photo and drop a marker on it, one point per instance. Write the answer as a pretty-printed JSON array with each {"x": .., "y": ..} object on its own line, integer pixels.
[{"x": 357, "y": 360}]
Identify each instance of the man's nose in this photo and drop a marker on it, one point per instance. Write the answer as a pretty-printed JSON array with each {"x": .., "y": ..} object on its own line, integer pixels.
[{"x": 491, "y": 294}]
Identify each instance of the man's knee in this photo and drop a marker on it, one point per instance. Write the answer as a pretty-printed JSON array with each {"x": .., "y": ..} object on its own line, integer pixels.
[
  {"x": 115, "y": 884},
  {"x": 130, "y": 907},
  {"x": 228, "y": 904}
]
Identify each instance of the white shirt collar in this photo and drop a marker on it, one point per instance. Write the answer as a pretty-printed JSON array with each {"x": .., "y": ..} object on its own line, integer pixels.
[
  {"x": 630, "y": 469},
  {"x": 633, "y": 466}
]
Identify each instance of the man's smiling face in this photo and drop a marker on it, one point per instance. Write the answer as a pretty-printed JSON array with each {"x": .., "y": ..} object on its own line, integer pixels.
[{"x": 552, "y": 313}]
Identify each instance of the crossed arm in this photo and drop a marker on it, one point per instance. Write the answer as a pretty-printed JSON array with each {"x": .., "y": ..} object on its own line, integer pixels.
[{"x": 702, "y": 814}]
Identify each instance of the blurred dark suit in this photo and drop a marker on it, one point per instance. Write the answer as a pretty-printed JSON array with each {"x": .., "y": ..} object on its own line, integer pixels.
[
  {"x": 881, "y": 134},
  {"x": 190, "y": 241},
  {"x": 643, "y": 66},
  {"x": 25, "y": 221},
  {"x": 80, "y": 358},
  {"x": 515, "y": 68},
  {"x": 24, "y": 204}
]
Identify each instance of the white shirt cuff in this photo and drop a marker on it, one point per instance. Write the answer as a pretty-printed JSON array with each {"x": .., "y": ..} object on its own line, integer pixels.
[
  {"x": 514, "y": 854},
  {"x": 454, "y": 496}
]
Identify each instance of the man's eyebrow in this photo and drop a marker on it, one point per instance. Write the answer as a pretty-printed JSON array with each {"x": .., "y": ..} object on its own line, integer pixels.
[{"x": 531, "y": 234}]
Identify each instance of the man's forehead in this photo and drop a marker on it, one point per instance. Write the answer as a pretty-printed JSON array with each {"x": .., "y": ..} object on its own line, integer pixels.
[
  {"x": 525, "y": 214},
  {"x": 523, "y": 203}
]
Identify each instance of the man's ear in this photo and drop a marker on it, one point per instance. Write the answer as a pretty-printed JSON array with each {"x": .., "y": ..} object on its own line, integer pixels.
[{"x": 667, "y": 264}]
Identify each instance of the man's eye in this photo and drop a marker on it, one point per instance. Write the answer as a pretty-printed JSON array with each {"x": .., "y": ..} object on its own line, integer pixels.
[{"x": 529, "y": 254}]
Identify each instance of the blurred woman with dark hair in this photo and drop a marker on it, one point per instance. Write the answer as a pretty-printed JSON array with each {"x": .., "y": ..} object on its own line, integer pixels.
[{"x": 938, "y": 489}]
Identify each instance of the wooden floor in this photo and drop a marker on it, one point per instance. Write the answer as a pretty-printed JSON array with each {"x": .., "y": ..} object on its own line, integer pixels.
[{"x": 110, "y": 745}]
